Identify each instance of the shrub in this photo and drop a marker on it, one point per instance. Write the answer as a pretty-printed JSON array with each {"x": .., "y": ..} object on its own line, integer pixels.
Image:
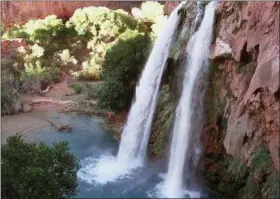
[
  {"x": 34, "y": 73},
  {"x": 92, "y": 89},
  {"x": 39, "y": 31},
  {"x": 92, "y": 69},
  {"x": 10, "y": 98},
  {"x": 262, "y": 162},
  {"x": 15, "y": 32},
  {"x": 123, "y": 64},
  {"x": 32, "y": 170},
  {"x": 103, "y": 28},
  {"x": 102, "y": 23},
  {"x": 77, "y": 88},
  {"x": 31, "y": 67}
]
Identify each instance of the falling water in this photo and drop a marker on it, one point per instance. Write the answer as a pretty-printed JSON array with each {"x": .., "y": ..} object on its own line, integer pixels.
[
  {"x": 137, "y": 129},
  {"x": 197, "y": 49},
  {"x": 132, "y": 149}
]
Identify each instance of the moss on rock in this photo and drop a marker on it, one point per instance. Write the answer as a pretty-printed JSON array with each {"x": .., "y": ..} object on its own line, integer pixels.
[{"x": 162, "y": 123}]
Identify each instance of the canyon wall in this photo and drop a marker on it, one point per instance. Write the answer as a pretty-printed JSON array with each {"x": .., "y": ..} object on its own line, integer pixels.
[
  {"x": 19, "y": 12},
  {"x": 241, "y": 133}
]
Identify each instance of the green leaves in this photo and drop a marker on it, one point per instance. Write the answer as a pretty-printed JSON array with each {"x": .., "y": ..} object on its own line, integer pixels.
[
  {"x": 123, "y": 65},
  {"x": 101, "y": 22},
  {"x": 10, "y": 98},
  {"x": 37, "y": 171},
  {"x": 39, "y": 31}
]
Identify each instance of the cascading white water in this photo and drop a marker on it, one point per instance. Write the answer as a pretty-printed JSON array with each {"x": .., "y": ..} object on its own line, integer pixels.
[
  {"x": 134, "y": 140},
  {"x": 198, "y": 50},
  {"x": 137, "y": 129}
]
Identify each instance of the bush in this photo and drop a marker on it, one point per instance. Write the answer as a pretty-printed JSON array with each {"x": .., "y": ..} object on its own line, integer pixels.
[
  {"x": 123, "y": 65},
  {"x": 92, "y": 69},
  {"x": 103, "y": 27},
  {"x": 10, "y": 97},
  {"x": 39, "y": 31},
  {"x": 54, "y": 45},
  {"x": 92, "y": 89},
  {"x": 32, "y": 170},
  {"x": 32, "y": 68},
  {"x": 35, "y": 73},
  {"x": 100, "y": 22},
  {"x": 262, "y": 162},
  {"x": 77, "y": 88}
]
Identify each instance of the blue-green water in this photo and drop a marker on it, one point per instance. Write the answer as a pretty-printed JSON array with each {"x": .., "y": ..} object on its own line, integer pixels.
[{"x": 89, "y": 141}]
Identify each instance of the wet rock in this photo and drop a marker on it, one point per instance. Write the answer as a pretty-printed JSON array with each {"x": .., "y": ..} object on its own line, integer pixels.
[{"x": 220, "y": 49}]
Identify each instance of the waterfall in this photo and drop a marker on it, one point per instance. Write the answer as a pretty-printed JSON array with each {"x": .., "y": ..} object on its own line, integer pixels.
[
  {"x": 183, "y": 133},
  {"x": 137, "y": 129},
  {"x": 135, "y": 135}
]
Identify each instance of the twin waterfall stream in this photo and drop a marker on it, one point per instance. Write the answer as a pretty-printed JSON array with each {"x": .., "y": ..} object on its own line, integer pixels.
[{"x": 184, "y": 146}]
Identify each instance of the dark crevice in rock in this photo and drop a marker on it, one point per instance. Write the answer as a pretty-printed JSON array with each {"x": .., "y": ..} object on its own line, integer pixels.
[
  {"x": 258, "y": 90},
  {"x": 245, "y": 56},
  {"x": 245, "y": 139},
  {"x": 277, "y": 95},
  {"x": 256, "y": 52}
]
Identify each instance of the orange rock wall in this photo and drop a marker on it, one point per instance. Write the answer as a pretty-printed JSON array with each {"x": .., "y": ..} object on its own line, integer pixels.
[
  {"x": 19, "y": 12},
  {"x": 252, "y": 31}
]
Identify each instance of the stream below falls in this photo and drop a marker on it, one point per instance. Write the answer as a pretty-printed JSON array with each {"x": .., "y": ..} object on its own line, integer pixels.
[{"x": 89, "y": 141}]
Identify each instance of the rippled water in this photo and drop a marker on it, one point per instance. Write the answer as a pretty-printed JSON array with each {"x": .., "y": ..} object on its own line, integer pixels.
[{"x": 89, "y": 141}]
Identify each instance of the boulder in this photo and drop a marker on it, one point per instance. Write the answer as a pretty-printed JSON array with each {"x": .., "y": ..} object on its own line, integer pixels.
[{"x": 26, "y": 108}]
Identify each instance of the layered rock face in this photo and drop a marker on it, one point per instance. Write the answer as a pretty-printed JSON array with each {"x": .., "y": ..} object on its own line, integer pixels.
[
  {"x": 17, "y": 12},
  {"x": 253, "y": 35},
  {"x": 241, "y": 132},
  {"x": 243, "y": 97}
]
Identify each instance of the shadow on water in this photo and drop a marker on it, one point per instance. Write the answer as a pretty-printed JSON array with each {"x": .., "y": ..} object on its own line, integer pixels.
[{"x": 89, "y": 140}]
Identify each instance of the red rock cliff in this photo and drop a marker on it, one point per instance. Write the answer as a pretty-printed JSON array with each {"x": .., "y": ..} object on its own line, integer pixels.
[
  {"x": 20, "y": 12},
  {"x": 251, "y": 31},
  {"x": 245, "y": 91}
]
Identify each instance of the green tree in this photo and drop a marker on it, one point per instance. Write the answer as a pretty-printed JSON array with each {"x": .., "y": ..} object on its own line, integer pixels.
[
  {"x": 122, "y": 67},
  {"x": 31, "y": 170}
]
